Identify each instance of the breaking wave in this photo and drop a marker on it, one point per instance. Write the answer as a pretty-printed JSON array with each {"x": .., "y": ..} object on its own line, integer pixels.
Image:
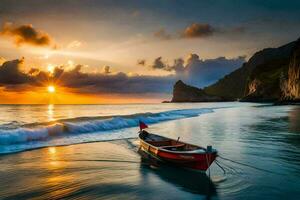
[{"x": 39, "y": 135}]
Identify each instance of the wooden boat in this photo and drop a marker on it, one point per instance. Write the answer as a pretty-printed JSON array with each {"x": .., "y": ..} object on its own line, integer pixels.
[{"x": 176, "y": 152}]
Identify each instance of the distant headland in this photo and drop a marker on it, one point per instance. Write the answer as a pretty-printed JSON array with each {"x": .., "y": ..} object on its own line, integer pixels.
[{"x": 270, "y": 75}]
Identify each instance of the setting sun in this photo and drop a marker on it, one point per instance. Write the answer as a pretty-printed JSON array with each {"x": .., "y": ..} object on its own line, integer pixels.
[{"x": 51, "y": 89}]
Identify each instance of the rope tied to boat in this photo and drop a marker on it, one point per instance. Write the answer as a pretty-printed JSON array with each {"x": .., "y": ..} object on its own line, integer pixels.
[
  {"x": 247, "y": 165},
  {"x": 219, "y": 165}
]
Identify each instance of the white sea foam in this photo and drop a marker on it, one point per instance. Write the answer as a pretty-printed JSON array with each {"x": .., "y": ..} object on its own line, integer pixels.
[
  {"x": 34, "y": 137},
  {"x": 20, "y": 135}
]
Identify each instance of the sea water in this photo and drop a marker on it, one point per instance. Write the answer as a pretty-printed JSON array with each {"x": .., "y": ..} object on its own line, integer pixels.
[{"x": 258, "y": 144}]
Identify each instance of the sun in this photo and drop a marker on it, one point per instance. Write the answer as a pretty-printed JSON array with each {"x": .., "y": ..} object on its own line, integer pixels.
[{"x": 51, "y": 89}]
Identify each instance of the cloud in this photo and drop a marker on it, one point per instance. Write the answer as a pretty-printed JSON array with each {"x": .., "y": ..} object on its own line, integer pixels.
[
  {"x": 195, "y": 30},
  {"x": 205, "y": 72},
  {"x": 198, "y": 30},
  {"x": 26, "y": 34},
  {"x": 141, "y": 62},
  {"x": 119, "y": 83},
  {"x": 58, "y": 71},
  {"x": 12, "y": 78},
  {"x": 192, "y": 58},
  {"x": 33, "y": 71},
  {"x": 106, "y": 69},
  {"x": 158, "y": 64},
  {"x": 162, "y": 34},
  {"x": 178, "y": 65},
  {"x": 10, "y": 73},
  {"x": 200, "y": 72},
  {"x": 193, "y": 71}
]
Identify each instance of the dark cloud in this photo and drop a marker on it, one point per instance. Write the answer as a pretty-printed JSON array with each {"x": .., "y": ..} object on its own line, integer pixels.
[
  {"x": 162, "y": 34},
  {"x": 200, "y": 72},
  {"x": 141, "y": 62},
  {"x": 197, "y": 30},
  {"x": 158, "y": 64},
  {"x": 205, "y": 72},
  {"x": 115, "y": 83},
  {"x": 194, "y": 71},
  {"x": 200, "y": 30},
  {"x": 10, "y": 73},
  {"x": 12, "y": 78},
  {"x": 178, "y": 65},
  {"x": 58, "y": 71},
  {"x": 106, "y": 69},
  {"x": 26, "y": 34}
]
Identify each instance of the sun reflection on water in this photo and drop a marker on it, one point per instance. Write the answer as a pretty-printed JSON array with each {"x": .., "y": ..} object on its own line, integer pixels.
[
  {"x": 50, "y": 112},
  {"x": 59, "y": 181},
  {"x": 52, "y": 150},
  {"x": 53, "y": 157}
]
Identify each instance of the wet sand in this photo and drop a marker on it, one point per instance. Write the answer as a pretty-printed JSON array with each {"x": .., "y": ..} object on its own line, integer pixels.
[{"x": 102, "y": 170}]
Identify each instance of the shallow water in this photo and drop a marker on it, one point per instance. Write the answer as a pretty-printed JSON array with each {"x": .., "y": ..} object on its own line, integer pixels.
[{"x": 262, "y": 140}]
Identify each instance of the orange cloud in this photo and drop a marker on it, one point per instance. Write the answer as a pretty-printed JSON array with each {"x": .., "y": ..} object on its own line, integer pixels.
[
  {"x": 27, "y": 34},
  {"x": 198, "y": 30}
]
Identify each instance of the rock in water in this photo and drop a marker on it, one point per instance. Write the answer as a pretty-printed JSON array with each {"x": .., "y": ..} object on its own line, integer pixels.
[{"x": 186, "y": 93}]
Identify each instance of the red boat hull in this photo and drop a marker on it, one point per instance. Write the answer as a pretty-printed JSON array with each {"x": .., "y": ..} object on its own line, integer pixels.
[{"x": 196, "y": 161}]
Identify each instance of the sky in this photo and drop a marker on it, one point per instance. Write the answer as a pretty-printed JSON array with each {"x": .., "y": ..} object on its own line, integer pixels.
[{"x": 98, "y": 51}]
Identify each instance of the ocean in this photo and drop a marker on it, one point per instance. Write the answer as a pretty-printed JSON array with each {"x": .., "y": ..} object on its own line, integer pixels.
[{"x": 90, "y": 151}]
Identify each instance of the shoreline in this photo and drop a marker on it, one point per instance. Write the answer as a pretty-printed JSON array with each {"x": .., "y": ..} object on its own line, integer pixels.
[
  {"x": 95, "y": 170},
  {"x": 64, "y": 145},
  {"x": 275, "y": 103}
]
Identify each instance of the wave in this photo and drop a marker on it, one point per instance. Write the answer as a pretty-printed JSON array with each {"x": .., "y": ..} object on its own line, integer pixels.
[{"x": 82, "y": 126}]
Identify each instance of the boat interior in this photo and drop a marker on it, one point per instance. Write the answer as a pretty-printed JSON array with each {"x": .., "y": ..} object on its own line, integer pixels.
[{"x": 170, "y": 144}]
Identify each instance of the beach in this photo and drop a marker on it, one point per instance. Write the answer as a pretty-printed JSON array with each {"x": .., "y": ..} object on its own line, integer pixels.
[{"x": 106, "y": 164}]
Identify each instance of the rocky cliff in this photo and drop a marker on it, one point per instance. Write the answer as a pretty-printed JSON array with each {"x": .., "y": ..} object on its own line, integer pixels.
[
  {"x": 290, "y": 85},
  {"x": 249, "y": 79},
  {"x": 186, "y": 93},
  {"x": 276, "y": 79},
  {"x": 270, "y": 75},
  {"x": 264, "y": 82}
]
